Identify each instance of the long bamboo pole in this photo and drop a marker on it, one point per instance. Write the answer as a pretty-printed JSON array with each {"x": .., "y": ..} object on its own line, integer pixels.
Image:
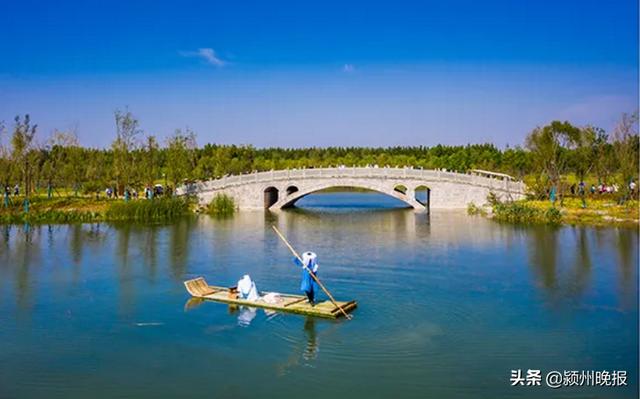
[{"x": 317, "y": 280}]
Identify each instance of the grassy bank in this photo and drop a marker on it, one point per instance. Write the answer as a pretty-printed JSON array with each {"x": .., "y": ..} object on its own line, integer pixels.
[
  {"x": 598, "y": 212},
  {"x": 88, "y": 209}
]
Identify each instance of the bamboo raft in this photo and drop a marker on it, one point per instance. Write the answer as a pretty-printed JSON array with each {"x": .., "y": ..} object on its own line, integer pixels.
[{"x": 199, "y": 288}]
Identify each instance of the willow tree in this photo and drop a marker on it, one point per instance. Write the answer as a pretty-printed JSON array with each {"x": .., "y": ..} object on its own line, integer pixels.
[
  {"x": 97, "y": 171},
  {"x": 150, "y": 161},
  {"x": 180, "y": 160},
  {"x": 127, "y": 131},
  {"x": 62, "y": 160},
  {"x": 625, "y": 144},
  {"x": 604, "y": 162},
  {"x": 22, "y": 154},
  {"x": 549, "y": 146},
  {"x": 584, "y": 145},
  {"x": 5, "y": 161}
]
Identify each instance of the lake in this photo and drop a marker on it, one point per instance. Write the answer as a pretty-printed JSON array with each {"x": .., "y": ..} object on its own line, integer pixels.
[{"x": 449, "y": 305}]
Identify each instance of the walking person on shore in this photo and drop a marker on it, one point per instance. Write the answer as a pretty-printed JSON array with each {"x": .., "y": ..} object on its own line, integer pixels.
[
  {"x": 581, "y": 193},
  {"x": 7, "y": 192}
]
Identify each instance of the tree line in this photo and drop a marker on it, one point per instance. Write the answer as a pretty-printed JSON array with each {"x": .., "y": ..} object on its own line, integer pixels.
[{"x": 550, "y": 155}]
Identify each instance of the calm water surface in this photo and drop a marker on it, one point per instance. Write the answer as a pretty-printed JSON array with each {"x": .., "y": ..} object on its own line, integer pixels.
[{"x": 449, "y": 305}]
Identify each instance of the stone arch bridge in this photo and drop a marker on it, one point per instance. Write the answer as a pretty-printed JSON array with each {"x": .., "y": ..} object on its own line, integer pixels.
[{"x": 282, "y": 188}]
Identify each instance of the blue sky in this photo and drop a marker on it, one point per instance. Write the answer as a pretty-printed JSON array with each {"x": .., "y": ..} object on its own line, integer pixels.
[{"x": 329, "y": 73}]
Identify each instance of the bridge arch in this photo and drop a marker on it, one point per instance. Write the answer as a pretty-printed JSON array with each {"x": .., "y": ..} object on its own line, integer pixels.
[
  {"x": 271, "y": 195},
  {"x": 401, "y": 188},
  {"x": 291, "y": 199},
  {"x": 292, "y": 189},
  {"x": 422, "y": 194}
]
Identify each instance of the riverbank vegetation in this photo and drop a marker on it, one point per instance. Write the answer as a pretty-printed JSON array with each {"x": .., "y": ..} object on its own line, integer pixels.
[
  {"x": 221, "y": 205},
  {"x": 601, "y": 212},
  {"x": 84, "y": 209},
  {"x": 161, "y": 209},
  {"x": 554, "y": 161}
]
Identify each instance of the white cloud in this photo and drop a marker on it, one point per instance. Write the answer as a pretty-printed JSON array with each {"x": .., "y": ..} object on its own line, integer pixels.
[
  {"x": 348, "y": 68},
  {"x": 207, "y": 54}
]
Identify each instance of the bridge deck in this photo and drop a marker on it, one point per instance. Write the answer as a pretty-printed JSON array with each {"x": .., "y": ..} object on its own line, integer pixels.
[{"x": 359, "y": 172}]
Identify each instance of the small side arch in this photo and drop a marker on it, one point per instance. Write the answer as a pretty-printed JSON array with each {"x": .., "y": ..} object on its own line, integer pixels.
[
  {"x": 423, "y": 195},
  {"x": 292, "y": 189},
  {"x": 270, "y": 196},
  {"x": 401, "y": 188}
]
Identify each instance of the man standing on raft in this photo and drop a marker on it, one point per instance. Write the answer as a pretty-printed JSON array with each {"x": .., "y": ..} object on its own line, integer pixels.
[{"x": 308, "y": 285}]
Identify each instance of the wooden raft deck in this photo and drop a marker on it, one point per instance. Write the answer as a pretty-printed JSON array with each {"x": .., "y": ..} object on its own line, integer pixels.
[{"x": 199, "y": 288}]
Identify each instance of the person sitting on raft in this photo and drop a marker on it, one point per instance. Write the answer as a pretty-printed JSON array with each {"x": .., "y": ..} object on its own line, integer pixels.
[
  {"x": 308, "y": 285},
  {"x": 247, "y": 289}
]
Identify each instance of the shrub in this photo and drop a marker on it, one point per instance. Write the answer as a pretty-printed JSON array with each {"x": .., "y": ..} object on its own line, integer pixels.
[
  {"x": 221, "y": 205},
  {"x": 515, "y": 212},
  {"x": 553, "y": 216},
  {"x": 473, "y": 209},
  {"x": 492, "y": 198},
  {"x": 519, "y": 212}
]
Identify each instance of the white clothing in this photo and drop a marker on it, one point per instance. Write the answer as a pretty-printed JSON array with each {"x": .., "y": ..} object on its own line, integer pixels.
[
  {"x": 310, "y": 259},
  {"x": 271, "y": 298},
  {"x": 247, "y": 289}
]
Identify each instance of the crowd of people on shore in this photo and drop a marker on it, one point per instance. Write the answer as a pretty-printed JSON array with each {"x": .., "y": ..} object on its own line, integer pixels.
[
  {"x": 109, "y": 192},
  {"x": 131, "y": 193},
  {"x": 8, "y": 191},
  {"x": 602, "y": 188}
]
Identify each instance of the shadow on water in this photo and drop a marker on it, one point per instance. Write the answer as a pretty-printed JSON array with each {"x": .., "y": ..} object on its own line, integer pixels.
[
  {"x": 180, "y": 232},
  {"x": 27, "y": 258},
  {"x": 560, "y": 273},
  {"x": 562, "y": 259},
  {"x": 149, "y": 248},
  {"x": 627, "y": 247}
]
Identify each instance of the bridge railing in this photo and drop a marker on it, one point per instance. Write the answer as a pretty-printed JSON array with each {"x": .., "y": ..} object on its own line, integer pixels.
[{"x": 358, "y": 172}]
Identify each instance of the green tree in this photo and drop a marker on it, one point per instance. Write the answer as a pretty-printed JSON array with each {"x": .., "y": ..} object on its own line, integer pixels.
[
  {"x": 584, "y": 145},
  {"x": 605, "y": 162},
  {"x": 62, "y": 161},
  {"x": 625, "y": 144},
  {"x": 22, "y": 154},
  {"x": 549, "y": 147},
  {"x": 150, "y": 164},
  {"x": 516, "y": 161},
  {"x": 5, "y": 159},
  {"x": 97, "y": 174},
  {"x": 127, "y": 131},
  {"x": 179, "y": 163}
]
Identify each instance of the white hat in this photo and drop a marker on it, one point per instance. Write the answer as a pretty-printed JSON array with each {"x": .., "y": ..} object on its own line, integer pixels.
[{"x": 310, "y": 259}]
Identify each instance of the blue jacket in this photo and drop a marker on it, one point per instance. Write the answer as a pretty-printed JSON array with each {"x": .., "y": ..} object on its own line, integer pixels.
[{"x": 307, "y": 284}]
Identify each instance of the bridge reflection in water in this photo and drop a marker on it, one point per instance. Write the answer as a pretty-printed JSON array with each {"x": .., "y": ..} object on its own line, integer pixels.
[{"x": 181, "y": 250}]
